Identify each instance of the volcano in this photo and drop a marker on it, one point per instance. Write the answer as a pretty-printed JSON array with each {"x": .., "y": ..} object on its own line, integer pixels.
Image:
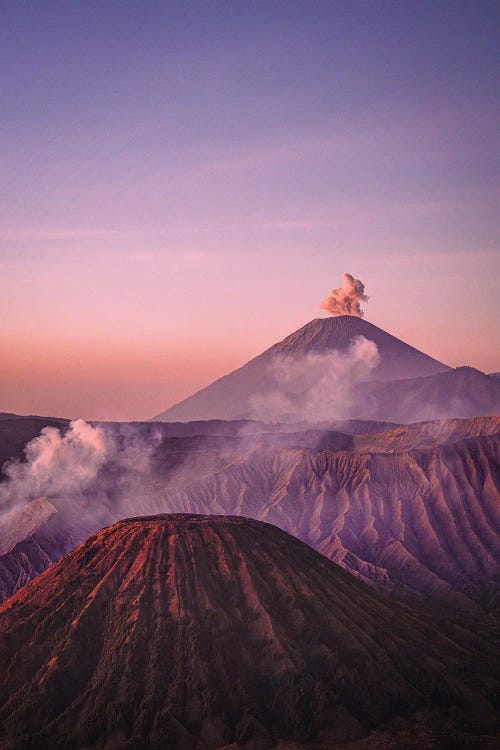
[
  {"x": 201, "y": 631},
  {"x": 383, "y": 505},
  {"x": 230, "y": 397}
]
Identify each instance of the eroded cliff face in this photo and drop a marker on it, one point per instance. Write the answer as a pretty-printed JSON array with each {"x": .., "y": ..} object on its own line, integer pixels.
[
  {"x": 29, "y": 558},
  {"x": 425, "y": 519},
  {"x": 189, "y": 632},
  {"x": 23, "y": 521},
  {"x": 431, "y": 519},
  {"x": 423, "y": 435}
]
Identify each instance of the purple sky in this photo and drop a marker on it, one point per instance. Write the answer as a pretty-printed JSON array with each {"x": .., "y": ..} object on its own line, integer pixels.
[{"x": 182, "y": 183}]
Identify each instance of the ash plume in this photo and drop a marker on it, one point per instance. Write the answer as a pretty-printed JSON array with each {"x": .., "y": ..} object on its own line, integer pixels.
[{"x": 346, "y": 300}]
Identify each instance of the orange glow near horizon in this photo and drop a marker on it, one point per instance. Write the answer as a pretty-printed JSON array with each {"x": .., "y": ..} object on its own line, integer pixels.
[
  {"x": 95, "y": 382},
  {"x": 135, "y": 380},
  {"x": 183, "y": 183}
]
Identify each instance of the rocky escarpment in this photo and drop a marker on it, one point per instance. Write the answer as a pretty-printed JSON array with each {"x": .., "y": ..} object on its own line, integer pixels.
[
  {"x": 23, "y": 521},
  {"x": 425, "y": 519},
  {"x": 198, "y": 632},
  {"x": 425, "y": 435},
  {"x": 30, "y": 557},
  {"x": 16, "y": 431},
  {"x": 429, "y": 520}
]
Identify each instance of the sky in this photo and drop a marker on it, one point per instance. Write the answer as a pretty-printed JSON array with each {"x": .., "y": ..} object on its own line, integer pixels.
[{"x": 183, "y": 183}]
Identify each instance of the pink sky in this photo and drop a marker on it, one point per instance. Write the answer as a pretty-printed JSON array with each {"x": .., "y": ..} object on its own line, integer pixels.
[
  {"x": 182, "y": 184},
  {"x": 127, "y": 338}
]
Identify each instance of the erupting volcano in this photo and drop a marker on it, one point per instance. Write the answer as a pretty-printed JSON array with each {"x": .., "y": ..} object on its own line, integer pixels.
[
  {"x": 231, "y": 396},
  {"x": 302, "y": 553}
]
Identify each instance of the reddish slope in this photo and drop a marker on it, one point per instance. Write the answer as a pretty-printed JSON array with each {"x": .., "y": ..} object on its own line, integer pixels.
[
  {"x": 165, "y": 631},
  {"x": 429, "y": 518}
]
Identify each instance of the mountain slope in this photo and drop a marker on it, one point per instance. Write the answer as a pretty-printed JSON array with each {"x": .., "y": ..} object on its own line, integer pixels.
[
  {"x": 429, "y": 518},
  {"x": 397, "y": 508},
  {"x": 22, "y": 522},
  {"x": 461, "y": 393},
  {"x": 184, "y": 632},
  {"x": 425, "y": 435},
  {"x": 229, "y": 397}
]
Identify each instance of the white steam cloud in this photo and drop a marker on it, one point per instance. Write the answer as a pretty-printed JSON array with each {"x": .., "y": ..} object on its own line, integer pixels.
[
  {"x": 85, "y": 471},
  {"x": 56, "y": 465},
  {"x": 347, "y": 299},
  {"x": 316, "y": 387},
  {"x": 73, "y": 482}
]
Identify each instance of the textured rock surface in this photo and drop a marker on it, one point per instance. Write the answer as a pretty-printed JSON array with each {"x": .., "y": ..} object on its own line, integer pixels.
[
  {"x": 427, "y": 519},
  {"x": 187, "y": 632},
  {"x": 31, "y": 557},
  {"x": 425, "y": 435},
  {"x": 22, "y": 522},
  {"x": 430, "y": 518}
]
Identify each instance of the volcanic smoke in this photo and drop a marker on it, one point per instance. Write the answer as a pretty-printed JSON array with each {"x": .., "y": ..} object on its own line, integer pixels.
[{"x": 347, "y": 299}]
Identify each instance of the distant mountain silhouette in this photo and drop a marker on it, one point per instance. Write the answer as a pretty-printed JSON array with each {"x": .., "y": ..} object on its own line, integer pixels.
[
  {"x": 461, "y": 394},
  {"x": 229, "y": 397}
]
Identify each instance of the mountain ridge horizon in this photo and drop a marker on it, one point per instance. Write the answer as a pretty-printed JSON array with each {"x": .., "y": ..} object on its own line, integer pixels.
[{"x": 398, "y": 360}]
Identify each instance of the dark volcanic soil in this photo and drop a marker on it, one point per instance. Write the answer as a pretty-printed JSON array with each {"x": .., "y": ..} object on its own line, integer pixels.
[{"x": 197, "y": 632}]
